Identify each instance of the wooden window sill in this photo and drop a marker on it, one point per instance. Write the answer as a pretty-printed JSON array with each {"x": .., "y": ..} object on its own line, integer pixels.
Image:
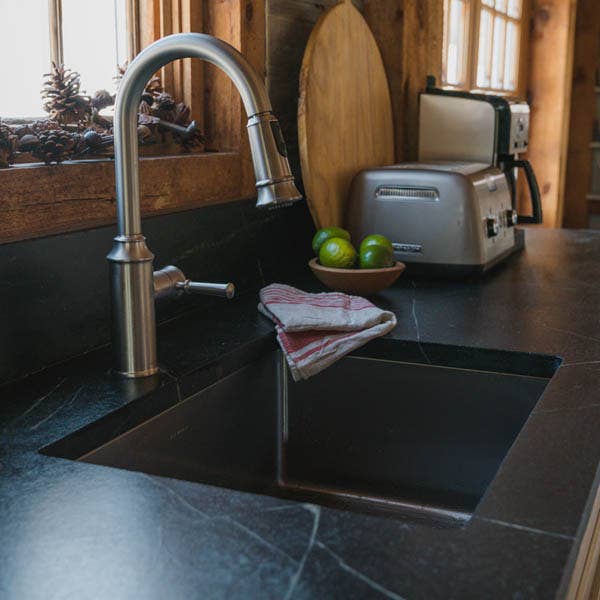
[{"x": 39, "y": 200}]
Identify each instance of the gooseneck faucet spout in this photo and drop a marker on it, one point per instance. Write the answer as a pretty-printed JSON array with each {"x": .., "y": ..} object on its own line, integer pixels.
[{"x": 134, "y": 283}]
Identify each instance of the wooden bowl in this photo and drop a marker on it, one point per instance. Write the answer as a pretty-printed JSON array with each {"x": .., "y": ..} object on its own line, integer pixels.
[{"x": 361, "y": 282}]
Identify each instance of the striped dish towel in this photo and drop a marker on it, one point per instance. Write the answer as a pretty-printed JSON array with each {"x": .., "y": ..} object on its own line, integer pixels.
[{"x": 315, "y": 330}]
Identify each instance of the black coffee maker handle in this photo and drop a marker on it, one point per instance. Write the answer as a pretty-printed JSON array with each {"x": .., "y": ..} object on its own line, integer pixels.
[{"x": 534, "y": 190}]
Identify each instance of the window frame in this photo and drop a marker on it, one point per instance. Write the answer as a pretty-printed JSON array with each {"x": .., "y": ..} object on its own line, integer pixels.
[
  {"x": 39, "y": 200},
  {"x": 473, "y": 20}
]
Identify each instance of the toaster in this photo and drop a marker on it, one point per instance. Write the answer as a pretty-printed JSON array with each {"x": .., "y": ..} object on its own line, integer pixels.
[{"x": 454, "y": 216}]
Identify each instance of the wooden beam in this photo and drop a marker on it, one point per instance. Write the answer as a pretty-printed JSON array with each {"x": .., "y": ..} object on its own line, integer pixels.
[
  {"x": 551, "y": 60},
  {"x": 81, "y": 195},
  {"x": 586, "y": 62}
]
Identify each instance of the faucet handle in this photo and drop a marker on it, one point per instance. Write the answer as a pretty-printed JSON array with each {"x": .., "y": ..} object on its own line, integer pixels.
[
  {"x": 170, "y": 281},
  {"x": 225, "y": 290}
]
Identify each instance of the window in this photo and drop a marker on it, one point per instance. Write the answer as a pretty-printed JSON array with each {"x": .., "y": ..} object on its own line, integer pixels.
[
  {"x": 38, "y": 200},
  {"x": 87, "y": 36},
  {"x": 482, "y": 44}
]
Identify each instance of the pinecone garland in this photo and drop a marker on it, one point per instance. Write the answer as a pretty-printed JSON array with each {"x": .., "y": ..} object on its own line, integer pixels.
[
  {"x": 8, "y": 146},
  {"x": 61, "y": 96},
  {"x": 55, "y": 145}
]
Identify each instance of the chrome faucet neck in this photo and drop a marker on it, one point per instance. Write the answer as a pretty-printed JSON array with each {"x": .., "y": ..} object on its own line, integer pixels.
[
  {"x": 134, "y": 283},
  {"x": 139, "y": 72}
]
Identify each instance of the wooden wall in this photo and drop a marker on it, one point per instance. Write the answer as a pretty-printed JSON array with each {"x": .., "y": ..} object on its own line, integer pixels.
[
  {"x": 409, "y": 34},
  {"x": 586, "y": 61},
  {"x": 550, "y": 68}
]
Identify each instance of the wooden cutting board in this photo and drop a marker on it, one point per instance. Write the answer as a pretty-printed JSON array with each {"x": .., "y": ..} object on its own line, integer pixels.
[{"x": 345, "y": 112}]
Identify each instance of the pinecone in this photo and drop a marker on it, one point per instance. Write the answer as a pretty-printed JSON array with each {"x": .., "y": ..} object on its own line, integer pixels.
[
  {"x": 55, "y": 145},
  {"x": 182, "y": 114},
  {"x": 164, "y": 107},
  {"x": 61, "y": 96},
  {"x": 119, "y": 74},
  {"x": 144, "y": 108},
  {"x": 101, "y": 99},
  {"x": 38, "y": 126},
  {"x": 28, "y": 142},
  {"x": 8, "y": 146},
  {"x": 154, "y": 86}
]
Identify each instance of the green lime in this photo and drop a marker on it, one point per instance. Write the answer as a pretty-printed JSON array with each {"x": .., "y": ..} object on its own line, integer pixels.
[
  {"x": 338, "y": 253},
  {"x": 375, "y": 257},
  {"x": 327, "y": 233},
  {"x": 376, "y": 240}
]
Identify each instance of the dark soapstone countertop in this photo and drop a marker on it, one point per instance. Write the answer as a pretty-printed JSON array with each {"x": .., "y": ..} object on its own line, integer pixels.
[{"x": 76, "y": 530}]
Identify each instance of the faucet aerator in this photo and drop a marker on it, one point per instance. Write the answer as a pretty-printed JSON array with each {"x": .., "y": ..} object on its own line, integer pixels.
[{"x": 277, "y": 195}]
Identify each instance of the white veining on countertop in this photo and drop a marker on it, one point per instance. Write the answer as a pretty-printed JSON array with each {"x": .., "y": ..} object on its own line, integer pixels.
[
  {"x": 57, "y": 410},
  {"x": 573, "y": 333},
  {"x": 416, "y": 321},
  {"x": 39, "y": 400},
  {"x": 580, "y": 364},
  {"x": 221, "y": 518},
  {"x": 525, "y": 528},
  {"x": 316, "y": 511},
  {"x": 257, "y": 537},
  {"x": 346, "y": 567}
]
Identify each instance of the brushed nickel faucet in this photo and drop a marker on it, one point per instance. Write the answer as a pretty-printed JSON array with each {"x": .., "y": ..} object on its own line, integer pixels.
[{"x": 134, "y": 284}]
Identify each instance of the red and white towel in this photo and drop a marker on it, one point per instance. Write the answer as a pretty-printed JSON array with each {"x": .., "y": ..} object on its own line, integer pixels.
[{"x": 315, "y": 330}]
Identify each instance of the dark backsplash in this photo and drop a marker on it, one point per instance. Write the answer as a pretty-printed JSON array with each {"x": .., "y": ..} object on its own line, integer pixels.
[{"x": 55, "y": 296}]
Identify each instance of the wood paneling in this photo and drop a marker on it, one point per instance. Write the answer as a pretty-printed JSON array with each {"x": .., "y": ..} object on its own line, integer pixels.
[
  {"x": 82, "y": 195},
  {"x": 410, "y": 36},
  {"x": 223, "y": 111},
  {"x": 586, "y": 61},
  {"x": 585, "y": 579},
  {"x": 550, "y": 69}
]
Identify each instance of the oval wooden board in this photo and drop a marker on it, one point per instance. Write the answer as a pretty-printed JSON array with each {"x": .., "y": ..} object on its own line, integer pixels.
[{"x": 345, "y": 114}]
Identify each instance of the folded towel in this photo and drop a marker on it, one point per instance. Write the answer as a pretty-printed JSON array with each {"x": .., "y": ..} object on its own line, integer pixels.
[{"x": 315, "y": 330}]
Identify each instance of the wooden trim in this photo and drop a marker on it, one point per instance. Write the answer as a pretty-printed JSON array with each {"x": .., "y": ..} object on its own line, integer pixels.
[
  {"x": 567, "y": 90},
  {"x": 133, "y": 28},
  {"x": 585, "y": 579},
  {"x": 56, "y": 37},
  {"x": 550, "y": 73},
  {"x": 80, "y": 195},
  {"x": 583, "y": 113}
]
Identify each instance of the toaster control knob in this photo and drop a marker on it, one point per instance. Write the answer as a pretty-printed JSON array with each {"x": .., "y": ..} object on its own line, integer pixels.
[
  {"x": 492, "y": 226},
  {"x": 511, "y": 217}
]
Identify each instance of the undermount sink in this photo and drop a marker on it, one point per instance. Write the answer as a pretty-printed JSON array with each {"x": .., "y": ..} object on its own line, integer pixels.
[{"x": 374, "y": 432}]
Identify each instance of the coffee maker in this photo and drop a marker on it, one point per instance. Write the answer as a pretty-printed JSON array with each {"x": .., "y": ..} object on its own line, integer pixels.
[{"x": 481, "y": 128}]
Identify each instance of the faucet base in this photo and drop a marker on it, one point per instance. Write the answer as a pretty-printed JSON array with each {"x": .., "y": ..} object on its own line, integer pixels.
[
  {"x": 132, "y": 291},
  {"x": 138, "y": 374}
]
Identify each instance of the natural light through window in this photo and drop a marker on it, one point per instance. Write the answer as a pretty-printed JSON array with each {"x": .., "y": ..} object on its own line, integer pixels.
[
  {"x": 94, "y": 42},
  {"x": 482, "y": 44}
]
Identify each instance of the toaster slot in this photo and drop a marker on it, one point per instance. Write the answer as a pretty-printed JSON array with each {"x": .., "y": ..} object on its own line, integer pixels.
[{"x": 407, "y": 194}]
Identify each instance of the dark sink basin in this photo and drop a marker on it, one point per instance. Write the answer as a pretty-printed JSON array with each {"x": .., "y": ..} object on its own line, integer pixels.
[{"x": 383, "y": 430}]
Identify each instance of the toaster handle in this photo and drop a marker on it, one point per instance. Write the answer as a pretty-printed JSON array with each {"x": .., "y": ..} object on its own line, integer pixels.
[{"x": 534, "y": 191}]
